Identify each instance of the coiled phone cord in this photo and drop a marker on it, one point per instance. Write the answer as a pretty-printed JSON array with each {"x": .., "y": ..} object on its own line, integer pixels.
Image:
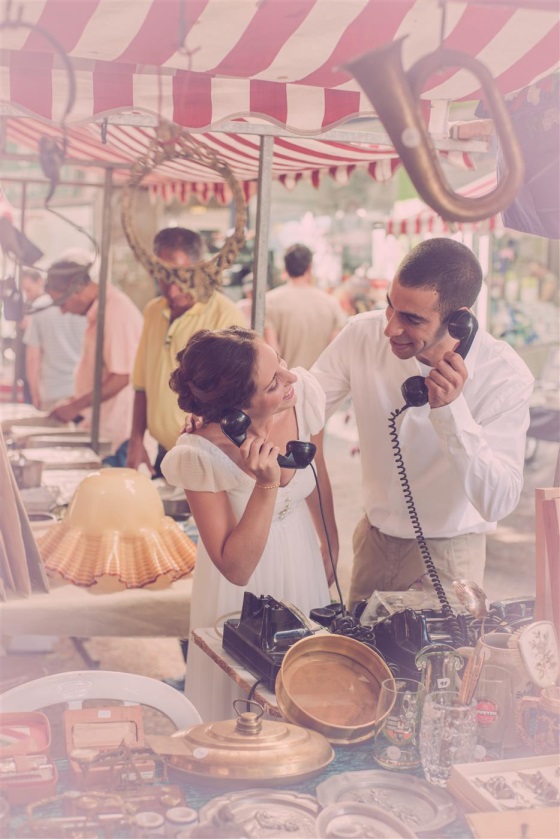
[
  {"x": 337, "y": 584},
  {"x": 455, "y": 630}
]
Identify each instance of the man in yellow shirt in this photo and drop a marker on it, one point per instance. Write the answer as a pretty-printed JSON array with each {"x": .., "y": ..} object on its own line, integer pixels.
[{"x": 169, "y": 322}]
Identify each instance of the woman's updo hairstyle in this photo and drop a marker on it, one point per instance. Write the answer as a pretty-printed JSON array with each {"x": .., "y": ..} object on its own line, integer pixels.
[{"x": 216, "y": 371}]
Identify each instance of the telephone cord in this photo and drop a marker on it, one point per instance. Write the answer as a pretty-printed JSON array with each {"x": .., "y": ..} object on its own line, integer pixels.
[
  {"x": 455, "y": 630},
  {"x": 337, "y": 584}
]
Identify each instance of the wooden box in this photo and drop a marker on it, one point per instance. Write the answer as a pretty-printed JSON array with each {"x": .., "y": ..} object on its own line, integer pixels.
[
  {"x": 27, "y": 772},
  {"x": 502, "y": 785},
  {"x": 89, "y": 732}
]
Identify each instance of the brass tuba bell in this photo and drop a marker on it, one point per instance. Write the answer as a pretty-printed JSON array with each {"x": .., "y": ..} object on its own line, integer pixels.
[{"x": 395, "y": 95}]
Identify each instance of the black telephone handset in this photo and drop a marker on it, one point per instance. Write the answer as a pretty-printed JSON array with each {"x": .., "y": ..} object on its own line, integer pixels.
[
  {"x": 462, "y": 325},
  {"x": 299, "y": 454}
]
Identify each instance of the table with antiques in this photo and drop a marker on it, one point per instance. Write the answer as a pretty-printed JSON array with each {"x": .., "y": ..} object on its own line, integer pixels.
[{"x": 84, "y": 601}]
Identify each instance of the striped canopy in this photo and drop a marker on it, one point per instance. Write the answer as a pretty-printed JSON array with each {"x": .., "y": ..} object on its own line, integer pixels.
[
  {"x": 293, "y": 159},
  {"x": 413, "y": 217},
  {"x": 197, "y": 62}
]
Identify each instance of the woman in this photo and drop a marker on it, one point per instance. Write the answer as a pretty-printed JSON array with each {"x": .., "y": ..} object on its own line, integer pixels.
[{"x": 260, "y": 528}]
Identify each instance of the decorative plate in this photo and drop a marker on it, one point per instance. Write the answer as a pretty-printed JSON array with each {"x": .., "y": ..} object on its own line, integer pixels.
[
  {"x": 354, "y": 820},
  {"x": 421, "y": 806},
  {"x": 266, "y": 812},
  {"x": 538, "y": 646}
]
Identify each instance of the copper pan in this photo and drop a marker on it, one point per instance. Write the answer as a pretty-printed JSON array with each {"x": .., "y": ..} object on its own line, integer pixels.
[{"x": 331, "y": 684}]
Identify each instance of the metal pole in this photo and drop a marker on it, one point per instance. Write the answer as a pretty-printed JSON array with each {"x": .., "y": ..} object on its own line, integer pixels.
[
  {"x": 262, "y": 228},
  {"x": 19, "y": 349},
  {"x": 101, "y": 301}
]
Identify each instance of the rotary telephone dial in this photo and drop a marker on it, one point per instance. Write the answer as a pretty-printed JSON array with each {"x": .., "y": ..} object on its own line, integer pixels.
[{"x": 299, "y": 454}]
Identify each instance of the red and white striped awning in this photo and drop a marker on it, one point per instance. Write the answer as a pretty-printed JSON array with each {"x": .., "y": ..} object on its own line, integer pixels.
[
  {"x": 199, "y": 62},
  {"x": 414, "y": 218},
  {"x": 293, "y": 159}
]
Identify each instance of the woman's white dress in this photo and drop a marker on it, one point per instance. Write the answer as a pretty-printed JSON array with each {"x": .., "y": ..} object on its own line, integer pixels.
[{"x": 291, "y": 567}]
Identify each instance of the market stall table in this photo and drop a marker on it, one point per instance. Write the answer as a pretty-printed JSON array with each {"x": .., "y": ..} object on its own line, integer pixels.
[
  {"x": 210, "y": 643},
  {"x": 71, "y": 611}
]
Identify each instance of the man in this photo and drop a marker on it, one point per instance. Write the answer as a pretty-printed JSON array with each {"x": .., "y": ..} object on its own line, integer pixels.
[
  {"x": 169, "y": 322},
  {"x": 301, "y": 319},
  {"x": 463, "y": 451},
  {"x": 71, "y": 288},
  {"x": 32, "y": 285},
  {"x": 53, "y": 344}
]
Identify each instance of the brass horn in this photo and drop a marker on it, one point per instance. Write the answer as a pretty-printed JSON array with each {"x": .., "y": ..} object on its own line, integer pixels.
[{"x": 395, "y": 95}]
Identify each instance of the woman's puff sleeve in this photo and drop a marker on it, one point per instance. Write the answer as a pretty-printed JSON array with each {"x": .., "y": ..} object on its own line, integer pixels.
[
  {"x": 190, "y": 466},
  {"x": 312, "y": 399}
]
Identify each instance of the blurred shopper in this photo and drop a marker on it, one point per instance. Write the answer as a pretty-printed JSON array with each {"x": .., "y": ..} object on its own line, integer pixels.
[
  {"x": 169, "y": 321},
  {"x": 32, "y": 286},
  {"x": 301, "y": 319},
  {"x": 53, "y": 345},
  {"x": 245, "y": 305},
  {"x": 71, "y": 288}
]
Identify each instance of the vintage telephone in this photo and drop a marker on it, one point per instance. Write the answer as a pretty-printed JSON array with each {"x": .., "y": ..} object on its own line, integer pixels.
[
  {"x": 263, "y": 633},
  {"x": 462, "y": 325},
  {"x": 299, "y": 454}
]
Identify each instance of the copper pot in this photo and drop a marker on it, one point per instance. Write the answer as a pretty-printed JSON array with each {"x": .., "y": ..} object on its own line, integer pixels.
[{"x": 331, "y": 684}]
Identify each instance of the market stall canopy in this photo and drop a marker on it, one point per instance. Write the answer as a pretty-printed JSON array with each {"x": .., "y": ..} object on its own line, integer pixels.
[
  {"x": 199, "y": 62},
  {"x": 293, "y": 159},
  {"x": 412, "y": 217}
]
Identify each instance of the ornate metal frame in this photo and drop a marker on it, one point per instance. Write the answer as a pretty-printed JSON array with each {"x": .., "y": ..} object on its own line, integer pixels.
[{"x": 200, "y": 280}]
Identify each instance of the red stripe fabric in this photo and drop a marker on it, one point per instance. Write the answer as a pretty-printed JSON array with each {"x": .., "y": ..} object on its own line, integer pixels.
[
  {"x": 544, "y": 54},
  {"x": 159, "y": 37},
  {"x": 112, "y": 87},
  {"x": 192, "y": 99},
  {"x": 375, "y": 25},
  {"x": 65, "y": 20},
  {"x": 268, "y": 99},
  {"x": 272, "y": 25},
  {"x": 31, "y": 82},
  {"x": 339, "y": 106}
]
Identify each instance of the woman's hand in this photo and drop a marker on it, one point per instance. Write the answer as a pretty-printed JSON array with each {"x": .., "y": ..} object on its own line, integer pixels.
[{"x": 261, "y": 458}]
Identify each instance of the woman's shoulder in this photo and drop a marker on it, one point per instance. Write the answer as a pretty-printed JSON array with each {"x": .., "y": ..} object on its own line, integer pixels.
[
  {"x": 196, "y": 463},
  {"x": 310, "y": 399}
]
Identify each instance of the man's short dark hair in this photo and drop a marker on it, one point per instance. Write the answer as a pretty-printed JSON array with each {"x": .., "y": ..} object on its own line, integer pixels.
[
  {"x": 179, "y": 239},
  {"x": 297, "y": 260},
  {"x": 448, "y": 267},
  {"x": 66, "y": 274}
]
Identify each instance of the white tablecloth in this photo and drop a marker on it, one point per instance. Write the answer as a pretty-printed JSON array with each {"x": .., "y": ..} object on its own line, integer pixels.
[{"x": 71, "y": 611}]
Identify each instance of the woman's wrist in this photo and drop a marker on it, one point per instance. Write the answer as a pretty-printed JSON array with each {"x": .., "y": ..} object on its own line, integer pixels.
[{"x": 268, "y": 486}]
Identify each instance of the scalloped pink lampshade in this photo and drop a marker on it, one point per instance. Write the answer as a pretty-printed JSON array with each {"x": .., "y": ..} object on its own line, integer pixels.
[{"x": 115, "y": 535}]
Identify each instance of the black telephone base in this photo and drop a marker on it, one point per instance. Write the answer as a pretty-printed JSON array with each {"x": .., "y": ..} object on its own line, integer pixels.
[{"x": 262, "y": 665}]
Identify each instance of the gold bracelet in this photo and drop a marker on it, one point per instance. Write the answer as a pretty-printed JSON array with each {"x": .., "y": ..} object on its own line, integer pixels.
[{"x": 267, "y": 486}]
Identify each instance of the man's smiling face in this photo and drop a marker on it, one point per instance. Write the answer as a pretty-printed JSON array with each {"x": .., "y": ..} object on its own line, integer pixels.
[{"x": 414, "y": 326}]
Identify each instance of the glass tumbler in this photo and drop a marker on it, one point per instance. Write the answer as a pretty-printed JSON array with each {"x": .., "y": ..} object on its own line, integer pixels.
[
  {"x": 494, "y": 706},
  {"x": 447, "y": 735},
  {"x": 396, "y": 739}
]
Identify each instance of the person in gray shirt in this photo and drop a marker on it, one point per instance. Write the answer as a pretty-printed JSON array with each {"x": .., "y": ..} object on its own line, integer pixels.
[{"x": 53, "y": 342}]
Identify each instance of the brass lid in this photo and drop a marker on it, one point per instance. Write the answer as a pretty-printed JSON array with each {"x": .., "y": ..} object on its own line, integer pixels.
[{"x": 250, "y": 748}]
